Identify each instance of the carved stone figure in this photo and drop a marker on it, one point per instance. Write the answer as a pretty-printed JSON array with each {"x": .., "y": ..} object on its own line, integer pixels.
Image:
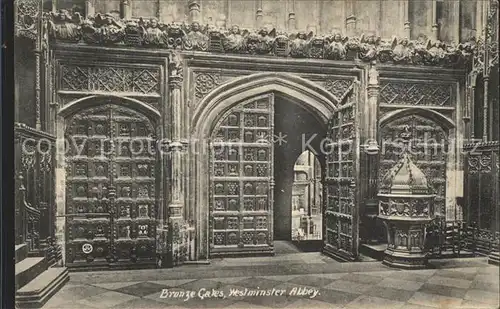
[
  {"x": 402, "y": 50},
  {"x": 336, "y": 49},
  {"x": 262, "y": 42},
  {"x": 368, "y": 47},
  {"x": 196, "y": 39},
  {"x": 234, "y": 41},
  {"x": 175, "y": 36},
  {"x": 299, "y": 44},
  {"x": 153, "y": 35},
  {"x": 65, "y": 27}
]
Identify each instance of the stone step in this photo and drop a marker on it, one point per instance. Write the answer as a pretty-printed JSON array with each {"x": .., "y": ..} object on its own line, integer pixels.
[
  {"x": 36, "y": 293},
  {"x": 21, "y": 252},
  {"x": 374, "y": 251},
  {"x": 28, "y": 269}
]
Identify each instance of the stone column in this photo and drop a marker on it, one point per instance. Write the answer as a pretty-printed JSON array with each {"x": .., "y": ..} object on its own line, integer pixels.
[
  {"x": 371, "y": 156},
  {"x": 259, "y": 15},
  {"x": 194, "y": 11},
  {"x": 350, "y": 21},
  {"x": 486, "y": 79},
  {"x": 126, "y": 9},
  {"x": 435, "y": 26},
  {"x": 89, "y": 8},
  {"x": 176, "y": 153},
  {"x": 406, "y": 19}
]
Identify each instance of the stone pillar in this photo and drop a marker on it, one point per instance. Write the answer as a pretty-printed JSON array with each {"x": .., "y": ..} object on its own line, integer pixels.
[
  {"x": 292, "y": 22},
  {"x": 435, "y": 26},
  {"x": 89, "y": 8},
  {"x": 194, "y": 11},
  {"x": 406, "y": 19},
  {"x": 350, "y": 21},
  {"x": 176, "y": 153},
  {"x": 371, "y": 157},
  {"x": 126, "y": 9},
  {"x": 258, "y": 17}
]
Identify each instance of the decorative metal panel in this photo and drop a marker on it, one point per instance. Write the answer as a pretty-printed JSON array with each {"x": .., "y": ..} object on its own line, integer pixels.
[
  {"x": 341, "y": 209},
  {"x": 111, "y": 188},
  {"x": 241, "y": 182},
  {"x": 429, "y": 145}
]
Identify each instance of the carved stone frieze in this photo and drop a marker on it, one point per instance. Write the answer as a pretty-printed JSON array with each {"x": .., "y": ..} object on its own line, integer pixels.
[
  {"x": 481, "y": 163},
  {"x": 110, "y": 79},
  {"x": 416, "y": 94},
  {"x": 106, "y": 30}
]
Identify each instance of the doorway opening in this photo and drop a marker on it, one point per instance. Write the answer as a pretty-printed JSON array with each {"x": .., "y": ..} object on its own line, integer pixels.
[{"x": 298, "y": 192}]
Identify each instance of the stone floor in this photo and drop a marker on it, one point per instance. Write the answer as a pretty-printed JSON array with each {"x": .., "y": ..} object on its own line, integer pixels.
[{"x": 456, "y": 283}]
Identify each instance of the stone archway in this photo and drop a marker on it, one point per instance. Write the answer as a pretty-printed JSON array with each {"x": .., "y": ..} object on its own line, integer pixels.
[{"x": 313, "y": 98}]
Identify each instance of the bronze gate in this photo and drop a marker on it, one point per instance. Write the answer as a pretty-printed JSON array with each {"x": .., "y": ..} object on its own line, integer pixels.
[
  {"x": 341, "y": 217},
  {"x": 111, "y": 189},
  {"x": 241, "y": 180}
]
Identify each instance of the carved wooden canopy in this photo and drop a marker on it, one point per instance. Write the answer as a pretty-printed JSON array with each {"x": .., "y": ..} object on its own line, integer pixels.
[{"x": 105, "y": 29}]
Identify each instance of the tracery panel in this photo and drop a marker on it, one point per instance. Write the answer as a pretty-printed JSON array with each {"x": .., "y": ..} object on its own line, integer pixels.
[
  {"x": 111, "y": 188},
  {"x": 341, "y": 182},
  {"x": 428, "y": 148},
  {"x": 241, "y": 201}
]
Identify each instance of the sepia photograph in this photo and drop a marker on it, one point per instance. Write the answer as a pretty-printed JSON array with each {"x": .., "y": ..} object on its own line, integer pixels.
[{"x": 256, "y": 154}]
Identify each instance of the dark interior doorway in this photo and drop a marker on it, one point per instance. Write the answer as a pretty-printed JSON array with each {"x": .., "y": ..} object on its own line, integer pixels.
[{"x": 296, "y": 130}]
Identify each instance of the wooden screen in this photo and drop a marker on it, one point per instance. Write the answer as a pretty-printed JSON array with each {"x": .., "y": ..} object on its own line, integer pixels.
[
  {"x": 341, "y": 186},
  {"x": 241, "y": 159},
  {"x": 110, "y": 190}
]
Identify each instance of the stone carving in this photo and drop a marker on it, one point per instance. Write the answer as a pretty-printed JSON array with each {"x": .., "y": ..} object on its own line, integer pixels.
[
  {"x": 339, "y": 87},
  {"x": 204, "y": 83},
  {"x": 299, "y": 44},
  {"x": 336, "y": 49},
  {"x": 106, "y": 30},
  {"x": 416, "y": 94},
  {"x": 110, "y": 79},
  {"x": 28, "y": 14}
]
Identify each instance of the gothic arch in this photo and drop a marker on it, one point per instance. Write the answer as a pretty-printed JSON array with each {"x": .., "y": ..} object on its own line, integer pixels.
[
  {"x": 443, "y": 121},
  {"x": 97, "y": 100},
  {"x": 309, "y": 95},
  {"x": 320, "y": 102}
]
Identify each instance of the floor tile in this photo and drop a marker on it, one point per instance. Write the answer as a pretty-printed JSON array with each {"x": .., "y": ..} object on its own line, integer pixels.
[
  {"x": 272, "y": 301},
  {"x": 115, "y": 285},
  {"x": 400, "y": 284},
  {"x": 390, "y": 293},
  {"x": 141, "y": 289},
  {"x": 256, "y": 282},
  {"x": 383, "y": 274},
  {"x": 312, "y": 281},
  {"x": 493, "y": 270},
  {"x": 451, "y": 282},
  {"x": 282, "y": 278},
  {"x": 492, "y": 277},
  {"x": 106, "y": 300},
  {"x": 410, "y": 276},
  {"x": 245, "y": 305},
  {"x": 203, "y": 283},
  {"x": 482, "y": 296},
  {"x": 73, "y": 293},
  {"x": 334, "y": 276},
  {"x": 309, "y": 303},
  {"x": 362, "y": 278},
  {"x": 443, "y": 290},
  {"x": 229, "y": 280},
  {"x": 209, "y": 302},
  {"x": 455, "y": 274},
  {"x": 348, "y": 286},
  {"x": 433, "y": 300},
  {"x": 371, "y": 302},
  {"x": 172, "y": 283},
  {"x": 469, "y": 304},
  {"x": 142, "y": 303},
  {"x": 469, "y": 270},
  {"x": 337, "y": 298},
  {"x": 488, "y": 286},
  {"x": 68, "y": 305},
  {"x": 412, "y": 306}
]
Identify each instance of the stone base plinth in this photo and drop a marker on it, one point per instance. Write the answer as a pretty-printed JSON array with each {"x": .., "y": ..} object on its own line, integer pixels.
[
  {"x": 405, "y": 260},
  {"x": 494, "y": 258}
]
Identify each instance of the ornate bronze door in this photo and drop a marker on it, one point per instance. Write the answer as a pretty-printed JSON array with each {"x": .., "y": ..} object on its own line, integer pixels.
[
  {"x": 111, "y": 188},
  {"x": 241, "y": 182},
  {"x": 341, "y": 185}
]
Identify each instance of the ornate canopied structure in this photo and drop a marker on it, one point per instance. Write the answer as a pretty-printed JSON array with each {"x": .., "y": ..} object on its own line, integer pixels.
[{"x": 406, "y": 205}]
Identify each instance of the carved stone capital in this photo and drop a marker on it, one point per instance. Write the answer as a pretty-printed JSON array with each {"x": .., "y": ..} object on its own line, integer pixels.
[{"x": 175, "y": 82}]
